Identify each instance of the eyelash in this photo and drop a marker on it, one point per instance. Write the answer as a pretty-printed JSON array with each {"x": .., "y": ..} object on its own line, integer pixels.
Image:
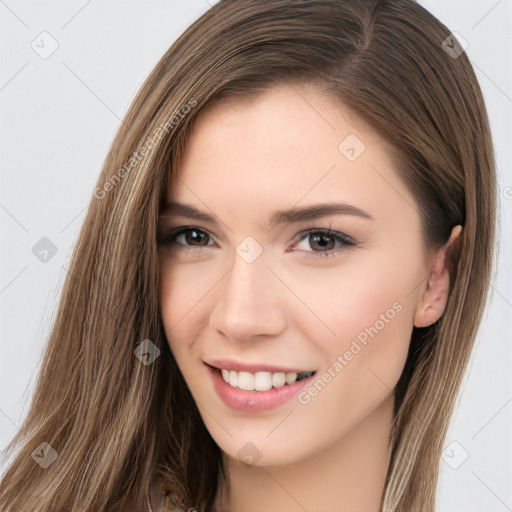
[{"x": 168, "y": 238}]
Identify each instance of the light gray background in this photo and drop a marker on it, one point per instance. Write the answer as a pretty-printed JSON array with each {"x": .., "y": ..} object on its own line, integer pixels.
[{"x": 58, "y": 116}]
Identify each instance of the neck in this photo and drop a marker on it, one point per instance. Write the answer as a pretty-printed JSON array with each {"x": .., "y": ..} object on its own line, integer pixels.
[{"x": 347, "y": 476}]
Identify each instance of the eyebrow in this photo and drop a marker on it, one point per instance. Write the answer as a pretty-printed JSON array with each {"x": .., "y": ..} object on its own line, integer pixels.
[{"x": 289, "y": 216}]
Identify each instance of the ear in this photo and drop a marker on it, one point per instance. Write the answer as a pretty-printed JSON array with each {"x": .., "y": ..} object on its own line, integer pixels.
[{"x": 435, "y": 296}]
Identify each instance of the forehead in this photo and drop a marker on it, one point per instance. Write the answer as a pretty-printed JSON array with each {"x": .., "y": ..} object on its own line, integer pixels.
[{"x": 285, "y": 146}]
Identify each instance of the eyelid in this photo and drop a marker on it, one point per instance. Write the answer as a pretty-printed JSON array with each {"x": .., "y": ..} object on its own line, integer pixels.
[
  {"x": 326, "y": 232},
  {"x": 167, "y": 238},
  {"x": 164, "y": 235}
]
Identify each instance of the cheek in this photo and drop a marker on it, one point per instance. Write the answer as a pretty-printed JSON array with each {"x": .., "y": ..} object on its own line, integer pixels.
[
  {"x": 363, "y": 361},
  {"x": 183, "y": 286},
  {"x": 180, "y": 294},
  {"x": 367, "y": 312},
  {"x": 369, "y": 290}
]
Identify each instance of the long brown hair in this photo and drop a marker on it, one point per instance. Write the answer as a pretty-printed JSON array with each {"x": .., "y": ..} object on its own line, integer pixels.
[{"x": 114, "y": 421}]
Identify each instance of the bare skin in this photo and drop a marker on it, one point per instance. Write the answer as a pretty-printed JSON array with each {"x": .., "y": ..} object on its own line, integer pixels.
[{"x": 294, "y": 305}]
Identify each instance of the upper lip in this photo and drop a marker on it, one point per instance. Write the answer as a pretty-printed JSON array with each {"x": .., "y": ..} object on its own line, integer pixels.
[{"x": 231, "y": 364}]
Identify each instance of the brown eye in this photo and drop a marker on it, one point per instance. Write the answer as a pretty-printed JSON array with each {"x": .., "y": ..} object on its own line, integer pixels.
[
  {"x": 194, "y": 236},
  {"x": 322, "y": 241},
  {"x": 184, "y": 237}
]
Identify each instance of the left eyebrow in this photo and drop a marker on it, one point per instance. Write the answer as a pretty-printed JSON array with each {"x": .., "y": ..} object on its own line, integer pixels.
[
  {"x": 317, "y": 211},
  {"x": 288, "y": 216}
]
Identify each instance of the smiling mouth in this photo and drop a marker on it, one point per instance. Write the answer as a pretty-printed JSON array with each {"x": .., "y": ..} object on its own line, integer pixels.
[{"x": 261, "y": 381}]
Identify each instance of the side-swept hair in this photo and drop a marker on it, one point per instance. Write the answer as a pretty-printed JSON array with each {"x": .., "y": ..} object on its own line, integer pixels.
[{"x": 114, "y": 422}]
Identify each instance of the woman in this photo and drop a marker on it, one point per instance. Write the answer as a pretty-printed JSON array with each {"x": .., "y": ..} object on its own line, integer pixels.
[{"x": 280, "y": 277}]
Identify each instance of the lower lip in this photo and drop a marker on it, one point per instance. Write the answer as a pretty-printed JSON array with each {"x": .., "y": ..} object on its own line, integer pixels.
[{"x": 254, "y": 401}]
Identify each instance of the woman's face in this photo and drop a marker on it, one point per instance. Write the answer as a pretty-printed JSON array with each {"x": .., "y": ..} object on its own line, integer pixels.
[{"x": 254, "y": 290}]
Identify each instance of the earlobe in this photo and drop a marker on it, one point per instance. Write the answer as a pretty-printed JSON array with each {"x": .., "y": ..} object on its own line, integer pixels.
[{"x": 435, "y": 296}]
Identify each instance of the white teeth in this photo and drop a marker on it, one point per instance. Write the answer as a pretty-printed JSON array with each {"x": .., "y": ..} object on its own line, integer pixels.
[
  {"x": 233, "y": 378},
  {"x": 259, "y": 381},
  {"x": 291, "y": 378},
  {"x": 263, "y": 381},
  {"x": 246, "y": 381},
  {"x": 278, "y": 379}
]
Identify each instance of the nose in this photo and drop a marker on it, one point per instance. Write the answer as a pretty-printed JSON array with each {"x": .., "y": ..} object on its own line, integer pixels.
[{"x": 250, "y": 302}]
